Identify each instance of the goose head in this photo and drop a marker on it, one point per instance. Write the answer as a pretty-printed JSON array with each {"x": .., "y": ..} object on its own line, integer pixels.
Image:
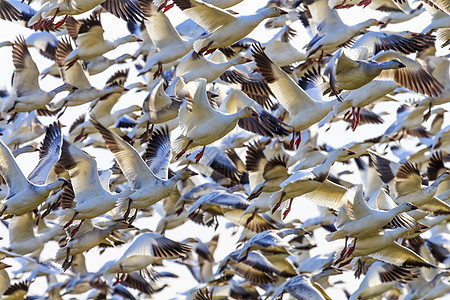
[
  {"x": 58, "y": 183},
  {"x": 341, "y": 154},
  {"x": 406, "y": 206},
  {"x": 185, "y": 174},
  {"x": 132, "y": 38},
  {"x": 4, "y": 266},
  {"x": 395, "y": 64},
  {"x": 274, "y": 11},
  {"x": 241, "y": 60},
  {"x": 248, "y": 111}
]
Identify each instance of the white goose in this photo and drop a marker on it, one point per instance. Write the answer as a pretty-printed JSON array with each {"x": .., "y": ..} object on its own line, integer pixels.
[
  {"x": 300, "y": 286},
  {"x": 304, "y": 110},
  {"x": 76, "y": 77},
  {"x": 329, "y": 21},
  {"x": 149, "y": 183},
  {"x": 380, "y": 278},
  {"x": 408, "y": 184},
  {"x": 27, "y": 94},
  {"x": 202, "y": 125},
  {"x": 223, "y": 27},
  {"x": 90, "y": 198},
  {"x": 171, "y": 46},
  {"x": 84, "y": 240},
  {"x": 124, "y": 9},
  {"x": 21, "y": 236},
  {"x": 27, "y": 194},
  {"x": 194, "y": 66},
  {"x": 280, "y": 49},
  {"x": 314, "y": 183},
  {"x": 88, "y": 36},
  {"x": 102, "y": 110},
  {"x": 348, "y": 74},
  {"x": 360, "y": 98},
  {"x": 266, "y": 124},
  {"x": 148, "y": 248},
  {"x": 367, "y": 221},
  {"x": 382, "y": 246}
]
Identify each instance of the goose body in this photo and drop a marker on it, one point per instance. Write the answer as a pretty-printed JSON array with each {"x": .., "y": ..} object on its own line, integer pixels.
[
  {"x": 382, "y": 246},
  {"x": 304, "y": 110},
  {"x": 148, "y": 186},
  {"x": 195, "y": 66},
  {"x": 368, "y": 220},
  {"x": 27, "y": 94},
  {"x": 126, "y": 10},
  {"x": 308, "y": 181},
  {"x": 90, "y": 198},
  {"x": 148, "y": 248},
  {"x": 171, "y": 46},
  {"x": 88, "y": 34},
  {"x": 202, "y": 125},
  {"x": 27, "y": 194},
  {"x": 224, "y": 28}
]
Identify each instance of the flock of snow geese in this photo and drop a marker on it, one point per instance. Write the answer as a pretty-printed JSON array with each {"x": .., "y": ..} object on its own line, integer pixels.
[{"x": 229, "y": 131}]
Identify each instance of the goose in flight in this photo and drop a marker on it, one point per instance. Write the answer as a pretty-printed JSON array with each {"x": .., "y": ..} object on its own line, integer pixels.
[{"x": 25, "y": 194}]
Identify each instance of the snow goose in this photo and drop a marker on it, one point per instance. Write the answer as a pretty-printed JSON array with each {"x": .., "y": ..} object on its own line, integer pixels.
[
  {"x": 27, "y": 94},
  {"x": 408, "y": 184},
  {"x": 329, "y": 21},
  {"x": 405, "y": 42},
  {"x": 255, "y": 267},
  {"x": 382, "y": 246},
  {"x": 27, "y": 194},
  {"x": 88, "y": 36},
  {"x": 380, "y": 278},
  {"x": 265, "y": 124},
  {"x": 167, "y": 40},
  {"x": 84, "y": 240},
  {"x": 201, "y": 124},
  {"x": 304, "y": 110},
  {"x": 148, "y": 248},
  {"x": 162, "y": 4},
  {"x": 360, "y": 98},
  {"x": 367, "y": 221},
  {"x": 101, "y": 63},
  {"x": 194, "y": 66},
  {"x": 124, "y": 9},
  {"x": 21, "y": 235},
  {"x": 17, "y": 290},
  {"x": 440, "y": 19},
  {"x": 414, "y": 77},
  {"x": 274, "y": 172},
  {"x": 90, "y": 198},
  {"x": 280, "y": 49},
  {"x": 149, "y": 182},
  {"x": 395, "y": 12},
  {"x": 231, "y": 206},
  {"x": 102, "y": 109},
  {"x": 160, "y": 108},
  {"x": 440, "y": 289},
  {"x": 314, "y": 183},
  {"x": 44, "y": 41},
  {"x": 300, "y": 286},
  {"x": 348, "y": 74},
  {"x": 223, "y": 27},
  {"x": 76, "y": 77}
]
